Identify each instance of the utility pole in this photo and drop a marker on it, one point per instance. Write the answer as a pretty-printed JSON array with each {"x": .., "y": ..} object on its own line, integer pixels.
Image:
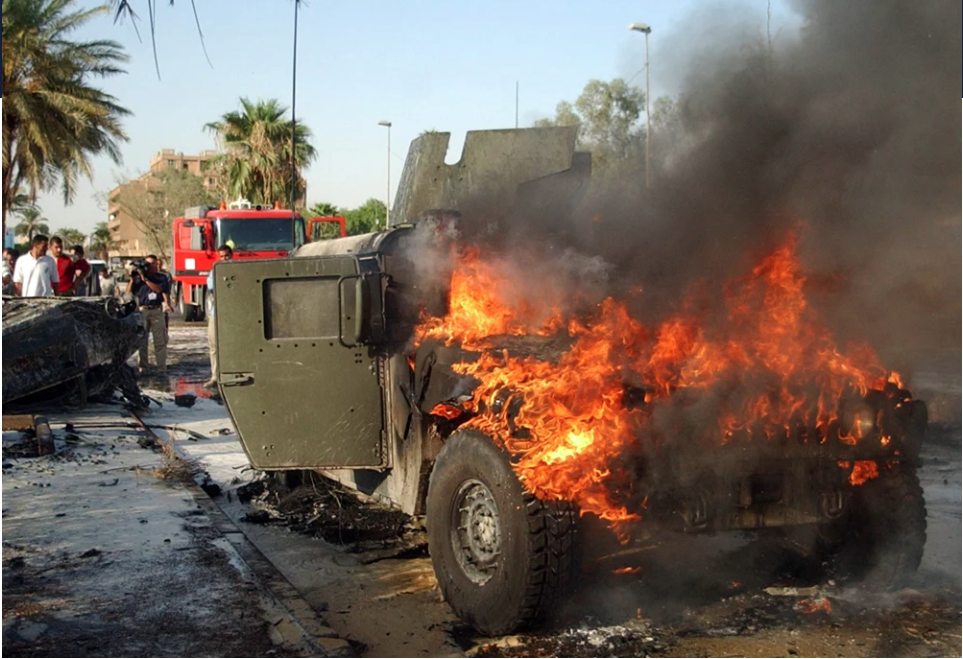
[
  {"x": 516, "y": 104},
  {"x": 294, "y": 96},
  {"x": 646, "y": 30}
]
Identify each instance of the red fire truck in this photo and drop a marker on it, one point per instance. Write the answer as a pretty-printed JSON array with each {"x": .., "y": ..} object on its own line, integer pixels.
[{"x": 252, "y": 231}]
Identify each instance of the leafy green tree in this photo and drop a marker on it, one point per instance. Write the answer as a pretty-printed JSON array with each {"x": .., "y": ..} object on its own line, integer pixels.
[
  {"x": 607, "y": 116},
  {"x": 100, "y": 241},
  {"x": 54, "y": 121},
  {"x": 31, "y": 223},
  {"x": 368, "y": 217},
  {"x": 154, "y": 201},
  {"x": 71, "y": 237},
  {"x": 256, "y": 159},
  {"x": 668, "y": 131}
]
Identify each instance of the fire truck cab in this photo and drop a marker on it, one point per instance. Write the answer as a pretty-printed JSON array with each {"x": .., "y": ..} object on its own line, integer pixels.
[{"x": 252, "y": 231}]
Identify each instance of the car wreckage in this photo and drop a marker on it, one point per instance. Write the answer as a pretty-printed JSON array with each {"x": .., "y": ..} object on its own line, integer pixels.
[
  {"x": 68, "y": 349},
  {"x": 324, "y": 365}
]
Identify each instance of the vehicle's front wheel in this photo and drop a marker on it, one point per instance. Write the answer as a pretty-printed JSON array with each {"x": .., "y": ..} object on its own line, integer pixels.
[
  {"x": 880, "y": 539},
  {"x": 200, "y": 312},
  {"x": 502, "y": 557},
  {"x": 187, "y": 311}
]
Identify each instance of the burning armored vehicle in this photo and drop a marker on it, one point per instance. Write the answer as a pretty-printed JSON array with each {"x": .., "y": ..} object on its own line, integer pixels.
[{"x": 407, "y": 365}]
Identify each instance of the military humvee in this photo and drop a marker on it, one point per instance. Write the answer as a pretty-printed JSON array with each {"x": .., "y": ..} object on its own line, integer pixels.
[{"x": 316, "y": 373}]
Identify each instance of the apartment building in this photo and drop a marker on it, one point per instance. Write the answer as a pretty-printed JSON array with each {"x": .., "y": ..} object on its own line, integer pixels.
[{"x": 128, "y": 238}]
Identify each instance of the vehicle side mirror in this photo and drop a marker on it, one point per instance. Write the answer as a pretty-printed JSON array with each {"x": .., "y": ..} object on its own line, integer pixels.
[{"x": 189, "y": 224}]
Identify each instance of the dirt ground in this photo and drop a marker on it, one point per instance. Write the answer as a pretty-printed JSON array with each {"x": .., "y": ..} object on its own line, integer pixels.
[{"x": 364, "y": 570}]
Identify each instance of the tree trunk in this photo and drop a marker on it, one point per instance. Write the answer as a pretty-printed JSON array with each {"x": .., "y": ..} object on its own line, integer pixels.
[{"x": 7, "y": 175}]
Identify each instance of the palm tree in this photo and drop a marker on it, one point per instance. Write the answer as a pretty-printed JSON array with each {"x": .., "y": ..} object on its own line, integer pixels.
[
  {"x": 53, "y": 120},
  {"x": 71, "y": 237},
  {"x": 31, "y": 223},
  {"x": 101, "y": 241},
  {"x": 256, "y": 161},
  {"x": 323, "y": 209},
  {"x": 19, "y": 202}
]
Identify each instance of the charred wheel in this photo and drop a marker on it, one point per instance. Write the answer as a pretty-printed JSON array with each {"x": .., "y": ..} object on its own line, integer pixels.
[
  {"x": 502, "y": 557},
  {"x": 880, "y": 539}
]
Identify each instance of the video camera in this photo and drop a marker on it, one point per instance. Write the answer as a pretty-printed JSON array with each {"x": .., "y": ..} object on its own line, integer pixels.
[{"x": 136, "y": 266}]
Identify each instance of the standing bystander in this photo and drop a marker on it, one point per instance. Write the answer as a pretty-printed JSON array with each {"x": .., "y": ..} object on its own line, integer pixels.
[
  {"x": 150, "y": 289},
  {"x": 81, "y": 270},
  {"x": 9, "y": 263},
  {"x": 35, "y": 274},
  {"x": 108, "y": 285},
  {"x": 224, "y": 253},
  {"x": 65, "y": 267},
  {"x": 168, "y": 309}
]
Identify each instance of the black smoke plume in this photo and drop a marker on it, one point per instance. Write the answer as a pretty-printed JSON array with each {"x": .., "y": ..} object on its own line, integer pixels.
[{"x": 847, "y": 130}]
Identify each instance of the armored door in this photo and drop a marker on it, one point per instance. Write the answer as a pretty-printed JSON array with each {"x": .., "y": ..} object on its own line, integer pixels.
[{"x": 301, "y": 388}]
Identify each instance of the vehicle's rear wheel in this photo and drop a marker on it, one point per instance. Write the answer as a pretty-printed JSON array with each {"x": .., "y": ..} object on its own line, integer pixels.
[
  {"x": 186, "y": 311},
  {"x": 880, "y": 539},
  {"x": 502, "y": 557}
]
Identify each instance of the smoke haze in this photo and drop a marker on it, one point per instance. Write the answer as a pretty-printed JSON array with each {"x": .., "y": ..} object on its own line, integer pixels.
[{"x": 846, "y": 131}]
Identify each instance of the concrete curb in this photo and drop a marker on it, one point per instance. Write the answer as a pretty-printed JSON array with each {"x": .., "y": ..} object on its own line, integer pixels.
[{"x": 299, "y": 625}]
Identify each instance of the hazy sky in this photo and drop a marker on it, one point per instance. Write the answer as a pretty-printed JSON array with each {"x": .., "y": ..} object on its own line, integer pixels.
[{"x": 421, "y": 64}]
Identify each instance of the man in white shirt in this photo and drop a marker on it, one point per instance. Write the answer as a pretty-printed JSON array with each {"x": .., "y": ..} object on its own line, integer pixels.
[{"x": 35, "y": 273}]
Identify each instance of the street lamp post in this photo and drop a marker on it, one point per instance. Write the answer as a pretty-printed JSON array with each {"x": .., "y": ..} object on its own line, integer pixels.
[
  {"x": 387, "y": 124},
  {"x": 646, "y": 30}
]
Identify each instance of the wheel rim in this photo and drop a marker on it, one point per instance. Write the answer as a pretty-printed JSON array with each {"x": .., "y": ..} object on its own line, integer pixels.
[{"x": 476, "y": 535}]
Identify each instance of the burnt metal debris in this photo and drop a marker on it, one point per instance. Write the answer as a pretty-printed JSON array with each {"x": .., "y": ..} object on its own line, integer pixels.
[{"x": 68, "y": 349}]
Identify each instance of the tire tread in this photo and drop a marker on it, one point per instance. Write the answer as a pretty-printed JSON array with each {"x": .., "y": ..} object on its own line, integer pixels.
[{"x": 553, "y": 537}]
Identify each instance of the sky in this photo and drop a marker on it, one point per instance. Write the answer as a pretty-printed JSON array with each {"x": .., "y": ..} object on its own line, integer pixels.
[{"x": 421, "y": 64}]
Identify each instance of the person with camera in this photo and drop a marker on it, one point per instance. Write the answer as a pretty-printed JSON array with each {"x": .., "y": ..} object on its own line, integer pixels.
[{"x": 150, "y": 288}]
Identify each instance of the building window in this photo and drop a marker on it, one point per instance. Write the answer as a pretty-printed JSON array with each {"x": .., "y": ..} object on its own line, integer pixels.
[
  {"x": 170, "y": 163},
  {"x": 211, "y": 181},
  {"x": 184, "y": 166}
]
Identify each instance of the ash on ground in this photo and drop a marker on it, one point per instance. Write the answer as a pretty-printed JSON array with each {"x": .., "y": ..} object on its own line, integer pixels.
[
  {"x": 916, "y": 626},
  {"x": 309, "y": 503}
]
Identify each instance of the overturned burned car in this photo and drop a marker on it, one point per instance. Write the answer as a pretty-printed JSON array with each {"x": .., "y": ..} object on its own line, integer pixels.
[
  {"x": 68, "y": 349},
  {"x": 433, "y": 395}
]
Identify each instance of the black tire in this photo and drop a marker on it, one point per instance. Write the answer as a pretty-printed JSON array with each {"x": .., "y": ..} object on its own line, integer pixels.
[
  {"x": 187, "y": 311},
  {"x": 521, "y": 555},
  {"x": 880, "y": 539},
  {"x": 200, "y": 311}
]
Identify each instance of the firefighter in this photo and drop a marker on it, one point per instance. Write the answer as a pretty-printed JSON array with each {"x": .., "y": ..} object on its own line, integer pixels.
[{"x": 224, "y": 253}]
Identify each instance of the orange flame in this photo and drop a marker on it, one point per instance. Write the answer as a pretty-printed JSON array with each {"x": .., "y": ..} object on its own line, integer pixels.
[
  {"x": 627, "y": 570},
  {"x": 809, "y": 606},
  {"x": 774, "y": 365},
  {"x": 863, "y": 470}
]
